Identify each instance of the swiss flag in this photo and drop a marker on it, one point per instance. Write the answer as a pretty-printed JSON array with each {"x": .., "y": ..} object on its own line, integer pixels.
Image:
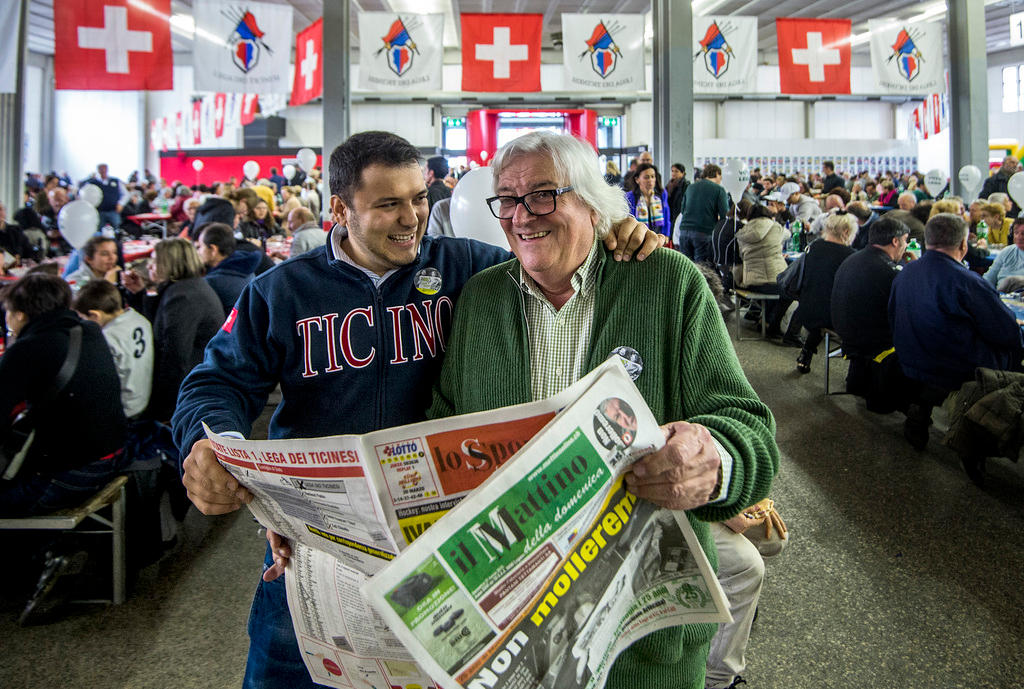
[
  {"x": 250, "y": 104},
  {"x": 814, "y": 55},
  {"x": 219, "y": 103},
  {"x": 113, "y": 45},
  {"x": 501, "y": 52},
  {"x": 308, "y": 82}
]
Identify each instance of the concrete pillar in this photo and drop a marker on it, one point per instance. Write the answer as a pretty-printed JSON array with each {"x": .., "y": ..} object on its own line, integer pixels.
[
  {"x": 337, "y": 96},
  {"x": 12, "y": 139},
  {"x": 673, "y": 83},
  {"x": 968, "y": 87}
]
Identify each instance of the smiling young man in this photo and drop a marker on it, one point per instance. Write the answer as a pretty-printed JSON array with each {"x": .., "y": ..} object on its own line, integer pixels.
[
  {"x": 354, "y": 333},
  {"x": 100, "y": 262}
]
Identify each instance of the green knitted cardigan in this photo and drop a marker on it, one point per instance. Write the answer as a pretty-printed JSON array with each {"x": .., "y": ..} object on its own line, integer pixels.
[{"x": 664, "y": 310}]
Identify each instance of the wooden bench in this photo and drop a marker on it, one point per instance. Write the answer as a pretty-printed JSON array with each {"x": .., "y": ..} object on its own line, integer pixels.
[
  {"x": 744, "y": 295},
  {"x": 113, "y": 494}
]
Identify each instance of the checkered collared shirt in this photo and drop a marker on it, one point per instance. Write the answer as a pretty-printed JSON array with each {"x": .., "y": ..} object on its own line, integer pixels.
[{"x": 559, "y": 338}]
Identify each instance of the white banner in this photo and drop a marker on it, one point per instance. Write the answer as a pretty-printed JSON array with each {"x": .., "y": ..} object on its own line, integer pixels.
[
  {"x": 400, "y": 51},
  {"x": 725, "y": 57},
  {"x": 907, "y": 58},
  {"x": 243, "y": 47},
  {"x": 603, "y": 51}
]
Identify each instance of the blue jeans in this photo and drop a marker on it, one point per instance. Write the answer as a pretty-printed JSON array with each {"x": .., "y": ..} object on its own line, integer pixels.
[
  {"x": 112, "y": 218},
  {"x": 274, "y": 657},
  {"x": 30, "y": 493},
  {"x": 696, "y": 246}
]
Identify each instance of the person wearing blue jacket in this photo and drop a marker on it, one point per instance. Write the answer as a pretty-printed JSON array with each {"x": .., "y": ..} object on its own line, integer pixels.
[
  {"x": 227, "y": 271},
  {"x": 353, "y": 332},
  {"x": 946, "y": 322}
]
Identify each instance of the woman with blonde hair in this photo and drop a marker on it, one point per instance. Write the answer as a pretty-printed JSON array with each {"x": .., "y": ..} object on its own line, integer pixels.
[
  {"x": 290, "y": 197},
  {"x": 185, "y": 313},
  {"x": 611, "y": 174},
  {"x": 820, "y": 265}
]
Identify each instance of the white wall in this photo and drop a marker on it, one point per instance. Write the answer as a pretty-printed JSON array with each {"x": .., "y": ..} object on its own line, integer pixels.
[
  {"x": 1002, "y": 125},
  {"x": 95, "y": 127}
]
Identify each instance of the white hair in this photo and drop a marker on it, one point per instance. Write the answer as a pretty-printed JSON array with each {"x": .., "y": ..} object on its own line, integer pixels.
[
  {"x": 577, "y": 161},
  {"x": 842, "y": 226}
]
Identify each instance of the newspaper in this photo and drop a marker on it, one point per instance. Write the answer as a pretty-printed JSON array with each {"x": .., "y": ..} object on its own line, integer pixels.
[
  {"x": 542, "y": 576},
  {"x": 351, "y": 504}
]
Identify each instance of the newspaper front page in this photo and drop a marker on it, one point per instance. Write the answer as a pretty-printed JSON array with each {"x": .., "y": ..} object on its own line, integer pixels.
[
  {"x": 351, "y": 504},
  {"x": 543, "y": 575}
]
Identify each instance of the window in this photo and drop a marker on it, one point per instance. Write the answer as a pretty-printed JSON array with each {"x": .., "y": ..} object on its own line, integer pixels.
[{"x": 1013, "y": 88}]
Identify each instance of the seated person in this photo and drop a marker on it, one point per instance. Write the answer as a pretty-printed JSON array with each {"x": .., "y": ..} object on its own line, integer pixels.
[
  {"x": 946, "y": 322},
  {"x": 1009, "y": 262},
  {"x": 993, "y": 215},
  {"x": 1003, "y": 234},
  {"x": 307, "y": 233},
  {"x": 860, "y": 302},
  {"x": 80, "y": 428},
  {"x": 130, "y": 338},
  {"x": 227, "y": 271},
  {"x": 760, "y": 248},
  {"x": 824, "y": 257},
  {"x": 99, "y": 256}
]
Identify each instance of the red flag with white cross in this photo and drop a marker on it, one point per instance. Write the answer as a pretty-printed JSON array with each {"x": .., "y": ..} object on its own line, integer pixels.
[
  {"x": 309, "y": 64},
  {"x": 814, "y": 55},
  {"x": 113, "y": 45},
  {"x": 501, "y": 52}
]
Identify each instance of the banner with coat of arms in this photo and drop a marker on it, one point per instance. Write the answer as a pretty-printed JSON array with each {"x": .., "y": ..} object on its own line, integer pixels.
[
  {"x": 245, "y": 46},
  {"x": 400, "y": 51},
  {"x": 907, "y": 57},
  {"x": 725, "y": 57},
  {"x": 603, "y": 51}
]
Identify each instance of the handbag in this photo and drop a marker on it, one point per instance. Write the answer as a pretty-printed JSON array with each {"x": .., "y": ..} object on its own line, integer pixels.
[
  {"x": 19, "y": 441},
  {"x": 789, "y": 280},
  {"x": 769, "y": 540}
]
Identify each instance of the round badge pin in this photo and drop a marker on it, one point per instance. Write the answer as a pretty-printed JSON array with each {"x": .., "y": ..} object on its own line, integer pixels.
[
  {"x": 632, "y": 360},
  {"x": 427, "y": 281}
]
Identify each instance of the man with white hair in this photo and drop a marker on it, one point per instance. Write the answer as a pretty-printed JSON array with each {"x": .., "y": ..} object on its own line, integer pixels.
[
  {"x": 535, "y": 324},
  {"x": 906, "y": 201},
  {"x": 833, "y": 203}
]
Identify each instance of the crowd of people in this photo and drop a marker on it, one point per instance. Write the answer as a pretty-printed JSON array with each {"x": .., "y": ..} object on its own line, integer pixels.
[{"x": 191, "y": 335}]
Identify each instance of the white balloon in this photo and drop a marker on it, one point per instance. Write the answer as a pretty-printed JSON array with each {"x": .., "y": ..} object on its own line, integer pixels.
[
  {"x": 251, "y": 169},
  {"x": 289, "y": 172},
  {"x": 78, "y": 221},
  {"x": 197, "y": 165},
  {"x": 92, "y": 194},
  {"x": 469, "y": 212},
  {"x": 307, "y": 159},
  {"x": 935, "y": 181},
  {"x": 1015, "y": 186},
  {"x": 735, "y": 177},
  {"x": 970, "y": 182}
]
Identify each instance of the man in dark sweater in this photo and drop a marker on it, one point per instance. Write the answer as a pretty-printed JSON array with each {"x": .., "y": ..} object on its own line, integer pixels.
[
  {"x": 704, "y": 204},
  {"x": 437, "y": 170},
  {"x": 831, "y": 179},
  {"x": 227, "y": 271},
  {"x": 860, "y": 306}
]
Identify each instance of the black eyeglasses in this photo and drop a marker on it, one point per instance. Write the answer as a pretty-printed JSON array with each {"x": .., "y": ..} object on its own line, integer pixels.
[{"x": 537, "y": 203}]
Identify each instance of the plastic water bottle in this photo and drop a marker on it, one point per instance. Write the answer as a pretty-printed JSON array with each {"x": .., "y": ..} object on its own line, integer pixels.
[
  {"x": 981, "y": 231},
  {"x": 794, "y": 239},
  {"x": 914, "y": 249}
]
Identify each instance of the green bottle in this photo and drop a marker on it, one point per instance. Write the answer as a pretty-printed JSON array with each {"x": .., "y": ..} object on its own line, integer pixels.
[{"x": 981, "y": 230}]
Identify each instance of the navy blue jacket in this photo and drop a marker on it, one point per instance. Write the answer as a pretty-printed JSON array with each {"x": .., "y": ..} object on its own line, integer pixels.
[
  {"x": 947, "y": 321},
  {"x": 229, "y": 277},
  {"x": 350, "y": 358}
]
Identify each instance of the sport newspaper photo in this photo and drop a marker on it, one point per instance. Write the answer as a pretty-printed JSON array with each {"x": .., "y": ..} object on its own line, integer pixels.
[{"x": 545, "y": 572}]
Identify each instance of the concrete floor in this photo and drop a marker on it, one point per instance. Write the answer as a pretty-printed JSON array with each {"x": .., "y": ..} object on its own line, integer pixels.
[{"x": 900, "y": 573}]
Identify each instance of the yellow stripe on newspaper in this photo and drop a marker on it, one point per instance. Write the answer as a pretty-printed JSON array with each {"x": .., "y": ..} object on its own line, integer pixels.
[
  {"x": 354, "y": 545},
  {"x": 413, "y": 527},
  {"x": 613, "y": 519}
]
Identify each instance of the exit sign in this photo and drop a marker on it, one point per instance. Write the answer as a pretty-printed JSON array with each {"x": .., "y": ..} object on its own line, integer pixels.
[{"x": 1017, "y": 28}]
